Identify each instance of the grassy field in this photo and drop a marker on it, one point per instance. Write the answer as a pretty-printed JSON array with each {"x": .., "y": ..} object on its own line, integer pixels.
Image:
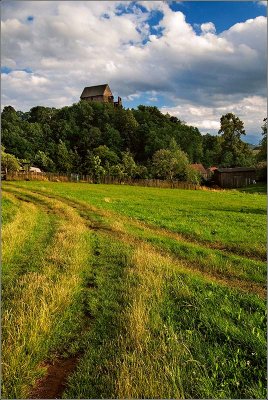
[{"x": 154, "y": 293}]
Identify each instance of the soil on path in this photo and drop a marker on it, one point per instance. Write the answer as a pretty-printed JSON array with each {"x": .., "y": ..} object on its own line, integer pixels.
[{"x": 53, "y": 384}]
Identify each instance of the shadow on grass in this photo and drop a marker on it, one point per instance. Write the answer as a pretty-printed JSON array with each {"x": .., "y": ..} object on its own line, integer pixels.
[{"x": 260, "y": 188}]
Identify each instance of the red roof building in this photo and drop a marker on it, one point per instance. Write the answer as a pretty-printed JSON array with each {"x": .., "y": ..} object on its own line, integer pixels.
[{"x": 200, "y": 168}]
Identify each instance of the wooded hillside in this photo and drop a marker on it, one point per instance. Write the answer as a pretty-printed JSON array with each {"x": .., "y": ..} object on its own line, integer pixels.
[{"x": 95, "y": 138}]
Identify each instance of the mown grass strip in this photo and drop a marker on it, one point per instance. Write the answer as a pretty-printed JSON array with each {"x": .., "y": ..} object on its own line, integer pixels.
[
  {"x": 189, "y": 338},
  {"x": 225, "y": 332},
  {"x": 161, "y": 332}
]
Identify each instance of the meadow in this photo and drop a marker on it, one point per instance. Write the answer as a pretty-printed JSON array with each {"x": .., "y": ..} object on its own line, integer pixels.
[{"x": 144, "y": 292}]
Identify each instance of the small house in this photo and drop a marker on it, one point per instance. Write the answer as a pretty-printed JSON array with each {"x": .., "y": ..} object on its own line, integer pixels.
[
  {"x": 211, "y": 170},
  {"x": 234, "y": 177},
  {"x": 101, "y": 94},
  {"x": 35, "y": 169},
  {"x": 201, "y": 169}
]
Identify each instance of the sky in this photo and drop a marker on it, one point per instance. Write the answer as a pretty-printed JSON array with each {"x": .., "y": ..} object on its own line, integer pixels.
[{"x": 193, "y": 59}]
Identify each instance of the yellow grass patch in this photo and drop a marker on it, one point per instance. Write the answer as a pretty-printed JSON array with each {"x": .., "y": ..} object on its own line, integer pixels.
[
  {"x": 149, "y": 371},
  {"x": 16, "y": 232},
  {"x": 40, "y": 299}
]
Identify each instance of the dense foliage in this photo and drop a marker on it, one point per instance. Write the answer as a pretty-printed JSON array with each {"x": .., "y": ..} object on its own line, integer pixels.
[
  {"x": 234, "y": 152},
  {"x": 262, "y": 156},
  {"x": 8, "y": 161},
  {"x": 98, "y": 139}
]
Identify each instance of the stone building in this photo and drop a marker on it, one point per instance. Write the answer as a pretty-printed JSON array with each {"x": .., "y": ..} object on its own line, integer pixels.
[{"x": 100, "y": 93}]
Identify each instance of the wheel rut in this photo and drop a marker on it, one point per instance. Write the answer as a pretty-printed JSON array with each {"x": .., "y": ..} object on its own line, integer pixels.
[
  {"x": 57, "y": 368},
  {"x": 53, "y": 384},
  {"x": 225, "y": 249},
  {"x": 88, "y": 213}
]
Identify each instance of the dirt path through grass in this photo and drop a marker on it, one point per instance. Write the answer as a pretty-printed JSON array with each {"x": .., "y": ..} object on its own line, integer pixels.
[
  {"x": 53, "y": 384},
  {"x": 215, "y": 265},
  {"x": 216, "y": 245},
  {"x": 37, "y": 318},
  {"x": 119, "y": 309}
]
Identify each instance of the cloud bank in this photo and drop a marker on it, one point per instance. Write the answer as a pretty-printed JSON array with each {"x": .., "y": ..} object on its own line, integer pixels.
[{"x": 53, "y": 49}]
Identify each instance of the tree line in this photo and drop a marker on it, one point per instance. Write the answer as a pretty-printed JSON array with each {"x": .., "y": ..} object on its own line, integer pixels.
[{"x": 97, "y": 139}]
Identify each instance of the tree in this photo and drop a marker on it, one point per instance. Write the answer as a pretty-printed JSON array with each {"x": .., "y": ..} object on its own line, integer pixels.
[
  {"x": 231, "y": 127},
  {"x": 126, "y": 124},
  {"x": 193, "y": 176},
  {"x": 190, "y": 141},
  {"x": 94, "y": 167},
  {"x": 129, "y": 165},
  {"x": 83, "y": 114},
  {"x": 106, "y": 155},
  {"x": 8, "y": 161},
  {"x": 234, "y": 152},
  {"x": 141, "y": 171},
  {"x": 117, "y": 171},
  {"x": 10, "y": 115},
  {"x": 33, "y": 133},
  {"x": 169, "y": 164},
  {"x": 40, "y": 114},
  {"x": 262, "y": 156},
  {"x": 12, "y": 134},
  {"x": 111, "y": 137},
  {"x": 64, "y": 160},
  {"x": 211, "y": 150},
  {"x": 43, "y": 161}
]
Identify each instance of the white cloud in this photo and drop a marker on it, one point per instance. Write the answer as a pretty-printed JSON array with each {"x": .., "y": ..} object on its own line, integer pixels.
[
  {"x": 208, "y": 27},
  {"x": 133, "y": 96},
  {"x": 69, "y": 45},
  {"x": 251, "y": 110},
  {"x": 263, "y": 3}
]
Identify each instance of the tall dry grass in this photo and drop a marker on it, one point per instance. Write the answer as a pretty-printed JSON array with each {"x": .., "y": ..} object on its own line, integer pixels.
[
  {"x": 16, "y": 232},
  {"x": 40, "y": 298},
  {"x": 149, "y": 368}
]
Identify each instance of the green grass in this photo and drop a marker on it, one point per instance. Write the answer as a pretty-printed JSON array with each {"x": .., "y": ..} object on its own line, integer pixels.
[
  {"x": 9, "y": 209},
  {"x": 42, "y": 314},
  {"x": 260, "y": 188},
  {"x": 134, "y": 282},
  {"x": 209, "y": 217},
  {"x": 205, "y": 259},
  {"x": 25, "y": 243},
  {"x": 173, "y": 335}
]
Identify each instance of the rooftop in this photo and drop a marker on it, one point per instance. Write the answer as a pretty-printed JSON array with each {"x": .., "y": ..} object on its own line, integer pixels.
[
  {"x": 198, "y": 167},
  {"x": 237, "y": 169},
  {"x": 92, "y": 91}
]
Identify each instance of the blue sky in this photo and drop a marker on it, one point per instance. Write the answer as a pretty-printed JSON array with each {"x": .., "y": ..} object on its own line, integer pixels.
[
  {"x": 196, "y": 60},
  {"x": 223, "y": 14}
]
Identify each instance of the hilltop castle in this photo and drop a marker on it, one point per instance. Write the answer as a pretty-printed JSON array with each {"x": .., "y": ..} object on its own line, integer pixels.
[{"x": 100, "y": 93}]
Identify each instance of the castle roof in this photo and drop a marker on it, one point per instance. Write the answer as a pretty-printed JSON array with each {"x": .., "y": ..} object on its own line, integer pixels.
[{"x": 92, "y": 91}]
